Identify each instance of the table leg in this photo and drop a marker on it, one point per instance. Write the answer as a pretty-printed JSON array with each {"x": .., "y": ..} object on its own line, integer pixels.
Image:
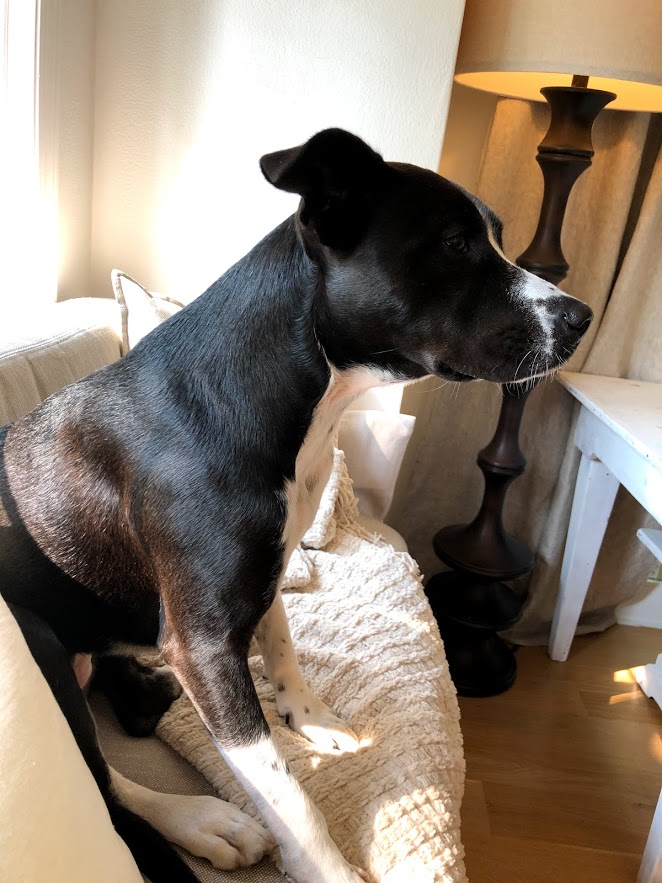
[
  {"x": 595, "y": 492},
  {"x": 651, "y": 862}
]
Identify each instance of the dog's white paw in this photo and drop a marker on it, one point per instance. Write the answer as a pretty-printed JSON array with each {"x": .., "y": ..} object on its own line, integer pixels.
[
  {"x": 215, "y": 830},
  {"x": 311, "y": 718},
  {"x": 329, "y": 871}
]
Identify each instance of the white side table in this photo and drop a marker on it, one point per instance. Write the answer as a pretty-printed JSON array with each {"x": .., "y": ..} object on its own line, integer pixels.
[
  {"x": 650, "y": 681},
  {"x": 619, "y": 432},
  {"x": 651, "y": 862}
]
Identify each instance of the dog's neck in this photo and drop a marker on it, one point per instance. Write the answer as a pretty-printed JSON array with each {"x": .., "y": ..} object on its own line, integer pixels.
[
  {"x": 276, "y": 301},
  {"x": 287, "y": 278},
  {"x": 268, "y": 338}
]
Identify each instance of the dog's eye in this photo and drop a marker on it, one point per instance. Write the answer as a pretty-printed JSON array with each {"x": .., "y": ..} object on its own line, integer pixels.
[{"x": 457, "y": 243}]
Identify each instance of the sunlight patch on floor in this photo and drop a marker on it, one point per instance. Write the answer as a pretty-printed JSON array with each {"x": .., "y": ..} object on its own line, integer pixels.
[
  {"x": 628, "y": 675},
  {"x": 623, "y": 697}
]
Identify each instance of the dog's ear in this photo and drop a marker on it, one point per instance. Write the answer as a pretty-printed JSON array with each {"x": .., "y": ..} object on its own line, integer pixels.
[{"x": 338, "y": 177}]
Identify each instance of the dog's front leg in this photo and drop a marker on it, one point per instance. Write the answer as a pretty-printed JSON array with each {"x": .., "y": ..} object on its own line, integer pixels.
[
  {"x": 209, "y": 657},
  {"x": 302, "y": 710}
]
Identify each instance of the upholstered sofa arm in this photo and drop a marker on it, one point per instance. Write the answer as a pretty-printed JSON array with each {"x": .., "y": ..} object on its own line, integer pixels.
[{"x": 52, "y": 347}]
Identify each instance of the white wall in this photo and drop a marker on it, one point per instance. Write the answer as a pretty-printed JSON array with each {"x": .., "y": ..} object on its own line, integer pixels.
[
  {"x": 189, "y": 95},
  {"x": 46, "y": 101},
  {"x": 470, "y": 116}
]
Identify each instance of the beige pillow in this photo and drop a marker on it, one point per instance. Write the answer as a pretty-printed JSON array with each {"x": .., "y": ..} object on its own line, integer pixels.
[{"x": 141, "y": 310}]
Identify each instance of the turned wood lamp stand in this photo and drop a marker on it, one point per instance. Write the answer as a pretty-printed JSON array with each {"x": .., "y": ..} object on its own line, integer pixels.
[{"x": 472, "y": 602}]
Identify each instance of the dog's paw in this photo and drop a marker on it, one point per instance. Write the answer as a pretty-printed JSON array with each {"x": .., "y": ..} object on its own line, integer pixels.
[
  {"x": 140, "y": 694},
  {"x": 216, "y": 830},
  {"x": 330, "y": 871},
  {"x": 312, "y": 719}
]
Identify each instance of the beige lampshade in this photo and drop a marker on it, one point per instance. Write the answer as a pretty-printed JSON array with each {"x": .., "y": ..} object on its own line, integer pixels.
[{"x": 515, "y": 47}]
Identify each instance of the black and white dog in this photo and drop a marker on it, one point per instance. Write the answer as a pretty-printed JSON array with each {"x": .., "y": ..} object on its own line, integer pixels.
[{"x": 159, "y": 499}]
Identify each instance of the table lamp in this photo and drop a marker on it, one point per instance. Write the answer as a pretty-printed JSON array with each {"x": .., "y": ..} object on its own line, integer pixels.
[{"x": 579, "y": 57}]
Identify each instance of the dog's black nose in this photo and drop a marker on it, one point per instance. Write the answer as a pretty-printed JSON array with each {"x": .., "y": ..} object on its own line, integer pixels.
[{"x": 578, "y": 317}]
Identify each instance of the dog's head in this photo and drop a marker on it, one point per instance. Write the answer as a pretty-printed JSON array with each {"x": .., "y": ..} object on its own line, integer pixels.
[{"x": 414, "y": 271}]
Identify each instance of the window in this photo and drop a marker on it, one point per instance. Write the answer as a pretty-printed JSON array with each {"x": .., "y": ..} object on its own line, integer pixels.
[{"x": 28, "y": 193}]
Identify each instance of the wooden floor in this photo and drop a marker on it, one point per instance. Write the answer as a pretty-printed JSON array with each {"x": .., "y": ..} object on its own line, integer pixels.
[{"x": 564, "y": 770}]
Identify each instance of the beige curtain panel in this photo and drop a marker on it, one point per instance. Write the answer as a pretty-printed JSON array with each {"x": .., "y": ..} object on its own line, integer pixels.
[{"x": 611, "y": 239}]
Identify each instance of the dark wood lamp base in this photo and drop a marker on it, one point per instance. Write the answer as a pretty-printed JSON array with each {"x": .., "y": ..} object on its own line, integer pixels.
[{"x": 471, "y": 602}]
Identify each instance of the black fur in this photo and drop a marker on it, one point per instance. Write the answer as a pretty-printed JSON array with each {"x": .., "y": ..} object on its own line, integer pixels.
[
  {"x": 161, "y": 478},
  {"x": 139, "y": 694}
]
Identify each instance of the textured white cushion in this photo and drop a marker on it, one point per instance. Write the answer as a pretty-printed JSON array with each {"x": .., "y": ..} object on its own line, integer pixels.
[
  {"x": 52, "y": 348},
  {"x": 370, "y": 648}
]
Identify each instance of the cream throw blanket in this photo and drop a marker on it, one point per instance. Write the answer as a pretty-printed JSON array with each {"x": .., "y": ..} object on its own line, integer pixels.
[
  {"x": 369, "y": 647},
  {"x": 55, "y": 826}
]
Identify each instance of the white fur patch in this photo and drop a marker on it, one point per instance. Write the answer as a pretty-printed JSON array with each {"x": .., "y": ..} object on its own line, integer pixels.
[
  {"x": 315, "y": 457},
  {"x": 308, "y": 853},
  {"x": 304, "y": 712},
  {"x": 533, "y": 291}
]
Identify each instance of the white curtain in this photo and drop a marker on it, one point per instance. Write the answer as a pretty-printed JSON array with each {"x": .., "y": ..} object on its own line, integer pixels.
[{"x": 28, "y": 199}]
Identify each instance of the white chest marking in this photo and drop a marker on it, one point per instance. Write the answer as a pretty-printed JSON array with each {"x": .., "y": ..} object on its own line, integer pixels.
[{"x": 315, "y": 457}]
